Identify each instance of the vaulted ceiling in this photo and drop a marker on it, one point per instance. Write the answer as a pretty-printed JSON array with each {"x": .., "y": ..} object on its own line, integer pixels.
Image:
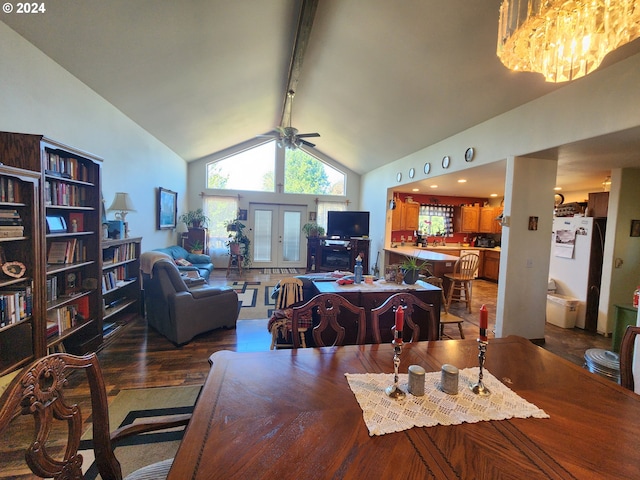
[{"x": 379, "y": 79}]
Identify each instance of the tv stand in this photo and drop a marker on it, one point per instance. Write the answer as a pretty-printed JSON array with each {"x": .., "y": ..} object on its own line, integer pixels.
[{"x": 329, "y": 254}]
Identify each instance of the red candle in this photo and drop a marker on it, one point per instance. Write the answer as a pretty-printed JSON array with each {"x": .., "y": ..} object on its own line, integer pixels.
[
  {"x": 399, "y": 319},
  {"x": 484, "y": 322}
]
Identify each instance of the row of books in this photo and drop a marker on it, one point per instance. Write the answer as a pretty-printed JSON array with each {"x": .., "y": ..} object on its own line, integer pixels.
[
  {"x": 66, "y": 251},
  {"x": 113, "y": 279},
  {"x": 10, "y": 190},
  {"x": 61, "y": 319},
  {"x": 15, "y": 305},
  {"x": 120, "y": 253},
  {"x": 10, "y": 223},
  {"x": 67, "y": 167},
  {"x": 64, "y": 194}
]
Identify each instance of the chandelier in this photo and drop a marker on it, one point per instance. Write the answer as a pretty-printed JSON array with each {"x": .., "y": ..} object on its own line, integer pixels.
[{"x": 564, "y": 39}]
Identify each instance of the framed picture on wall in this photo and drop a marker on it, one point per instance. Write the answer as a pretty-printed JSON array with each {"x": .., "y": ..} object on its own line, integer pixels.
[{"x": 167, "y": 209}]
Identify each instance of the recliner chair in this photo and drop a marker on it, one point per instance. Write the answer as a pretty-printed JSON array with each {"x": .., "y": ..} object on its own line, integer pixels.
[{"x": 179, "y": 313}]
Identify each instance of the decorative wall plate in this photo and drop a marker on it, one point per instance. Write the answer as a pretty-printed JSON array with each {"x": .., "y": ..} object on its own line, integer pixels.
[
  {"x": 427, "y": 168},
  {"x": 412, "y": 172},
  {"x": 446, "y": 161},
  {"x": 14, "y": 269},
  {"x": 399, "y": 177},
  {"x": 468, "y": 154}
]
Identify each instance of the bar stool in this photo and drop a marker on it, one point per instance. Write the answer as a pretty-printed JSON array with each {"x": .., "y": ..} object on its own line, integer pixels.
[
  {"x": 462, "y": 280},
  {"x": 445, "y": 319},
  {"x": 235, "y": 258}
]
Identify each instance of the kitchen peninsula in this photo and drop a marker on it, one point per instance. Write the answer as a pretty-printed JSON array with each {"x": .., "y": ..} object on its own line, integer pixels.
[{"x": 441, "y": 263}]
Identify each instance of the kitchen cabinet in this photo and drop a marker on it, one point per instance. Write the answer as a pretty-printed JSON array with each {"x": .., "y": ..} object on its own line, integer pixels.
[
  {"x": 487, "y": 216},
  {"x": 405, "y": 216},
  {"x": 497, "y": 224},
  {"x": 598, "y": 204},
  {"x": 491, "y": 265},
  {"x": 470, "y": 218}
]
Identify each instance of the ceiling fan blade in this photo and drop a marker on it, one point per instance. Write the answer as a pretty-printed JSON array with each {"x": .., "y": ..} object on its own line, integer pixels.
[
  {"x": 302, "y": 135},
  {"x": 308, "y": 144}
]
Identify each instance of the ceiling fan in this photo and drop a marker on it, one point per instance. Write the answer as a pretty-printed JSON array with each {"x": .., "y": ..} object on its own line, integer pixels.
[{"x": 288, "y": 137}]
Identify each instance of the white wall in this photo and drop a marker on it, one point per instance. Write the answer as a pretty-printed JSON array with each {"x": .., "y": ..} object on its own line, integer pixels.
[
  {"x": 603, "y": 102},
  {"x": 40, "y": 97}
]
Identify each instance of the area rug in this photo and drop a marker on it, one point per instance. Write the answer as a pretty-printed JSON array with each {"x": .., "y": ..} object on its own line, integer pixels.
[
  {"x": 133, "y": 406},
  {"x": 285, "y": 271},
  {"x": 254, "y": 298}
]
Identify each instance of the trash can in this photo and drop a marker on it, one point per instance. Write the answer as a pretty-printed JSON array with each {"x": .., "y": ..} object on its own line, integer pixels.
[{"x": 562, "y": 310}]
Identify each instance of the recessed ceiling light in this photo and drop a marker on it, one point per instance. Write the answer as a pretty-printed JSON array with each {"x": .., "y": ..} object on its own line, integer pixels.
[
  {"x": 433, "y": 186},
  {"x": 462, "y": 180},
  {"x": 557, "y": 189},
  {"x": 415, "y": 189},
  {"x": 493, "y": 195}
]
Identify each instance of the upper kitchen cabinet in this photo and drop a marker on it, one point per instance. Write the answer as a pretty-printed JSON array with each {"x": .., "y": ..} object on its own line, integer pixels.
[
  {"x": 469, "y": 218},
  {"x": 487, "y": 220},
  {"x": 405, "y": 216},
  {"x": 598, "y": 204}
]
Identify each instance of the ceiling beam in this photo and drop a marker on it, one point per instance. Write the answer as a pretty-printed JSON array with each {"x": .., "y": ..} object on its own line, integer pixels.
[{"x": 305, "y": 22}]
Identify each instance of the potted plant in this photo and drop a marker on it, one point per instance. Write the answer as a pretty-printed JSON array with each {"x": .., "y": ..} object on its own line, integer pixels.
[
  {"x": 312, "y": 230},
  {"x": 195, "y": 219},
  {"x": 238, "y": 242},
  {"x": 197, "y": 247},
  {"x": 411, "y": 268}
]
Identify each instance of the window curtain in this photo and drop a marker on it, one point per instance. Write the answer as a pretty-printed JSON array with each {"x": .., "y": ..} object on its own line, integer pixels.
[
  {"x": 436, "y": 210},
  {"x": 324, "y": 207}
]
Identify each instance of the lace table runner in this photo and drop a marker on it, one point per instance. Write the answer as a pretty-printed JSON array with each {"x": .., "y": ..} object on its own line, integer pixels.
[{"x": 386, "y": 415}]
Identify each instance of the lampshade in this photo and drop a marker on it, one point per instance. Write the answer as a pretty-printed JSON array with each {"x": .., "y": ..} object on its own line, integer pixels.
[
  {"x": 122, "y": 203},
  {"x": 564, "y": 39}
]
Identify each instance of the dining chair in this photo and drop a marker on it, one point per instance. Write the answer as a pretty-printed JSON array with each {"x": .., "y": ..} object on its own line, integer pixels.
[
  {"x": 626, "y": 356},
  {"x": 412, "y": 306},
  {"x": 330, "y": 309},
  {"x": 38, "y": 391},
  {"x": 290, "y": 291},
  {"x": 462, "y": 280}
]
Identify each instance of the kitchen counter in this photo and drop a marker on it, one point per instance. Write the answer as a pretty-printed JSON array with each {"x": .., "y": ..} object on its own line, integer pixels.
[{"x": 423, "y": 254}]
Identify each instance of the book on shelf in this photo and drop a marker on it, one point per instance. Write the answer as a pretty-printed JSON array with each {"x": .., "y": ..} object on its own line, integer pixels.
[
  {"x": 9, "y": 190},
  {"x": 62, "y": 251},
  {"x": 15, "y": 305},
  {"x": 64, "y": 317},
  {"x": 52, "y": 329},
  {"x": 11, "y": 231},
  {"x": 77, "y": 219}
]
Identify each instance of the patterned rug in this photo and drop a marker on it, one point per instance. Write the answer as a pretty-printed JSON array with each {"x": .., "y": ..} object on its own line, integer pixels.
[
  {"x": 285, "y": 271},
  {"x": 254, "y": 299},
  {"x": 132, "y": 406}
]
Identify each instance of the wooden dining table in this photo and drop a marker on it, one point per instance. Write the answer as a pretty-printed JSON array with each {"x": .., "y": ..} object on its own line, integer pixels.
[{"x": 290, "y": 414}]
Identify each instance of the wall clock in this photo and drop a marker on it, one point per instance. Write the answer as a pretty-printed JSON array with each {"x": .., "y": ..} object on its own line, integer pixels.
[
  {"x": 412, "y": 172},
  {"x": 427, "y": 168},
  {"x": 468, "y": 154},
  {"x": 446, "y": 161}
]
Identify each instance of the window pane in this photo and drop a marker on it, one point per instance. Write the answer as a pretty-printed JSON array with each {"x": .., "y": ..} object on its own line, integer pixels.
[
  {"x": 219, "y": 210},
  {"x": 263, "y": 220},
  {"x": 304, "y": 173},
  {"x": 252, "y": 169},
  {"x": 291, "y": 236}
]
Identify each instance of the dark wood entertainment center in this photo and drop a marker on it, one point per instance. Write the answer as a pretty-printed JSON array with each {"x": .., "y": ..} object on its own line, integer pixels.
[{"x": 328, "y": 254}]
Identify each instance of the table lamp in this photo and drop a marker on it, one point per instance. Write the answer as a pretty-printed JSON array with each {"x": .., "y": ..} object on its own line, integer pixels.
[{"x": 122, "y": 204}]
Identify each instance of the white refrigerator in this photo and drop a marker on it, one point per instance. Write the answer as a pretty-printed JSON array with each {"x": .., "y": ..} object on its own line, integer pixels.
[{"x": 576, "y": 264}]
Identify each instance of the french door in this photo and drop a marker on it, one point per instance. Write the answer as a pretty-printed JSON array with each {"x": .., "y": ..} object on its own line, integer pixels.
[{"x": 277, "y": 235}]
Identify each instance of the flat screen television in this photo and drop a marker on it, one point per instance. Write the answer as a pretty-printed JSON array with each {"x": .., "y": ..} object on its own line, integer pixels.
[{"x": 347, "y": 224}]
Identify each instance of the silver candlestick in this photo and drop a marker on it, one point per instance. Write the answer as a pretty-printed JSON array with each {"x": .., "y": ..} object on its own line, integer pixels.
[
  {"x": 479, "y": 388},
  {"x": 393, "y": 390}
]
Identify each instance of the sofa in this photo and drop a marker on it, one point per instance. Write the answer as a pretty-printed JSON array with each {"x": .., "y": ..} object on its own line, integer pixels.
[
  {"x": 180, "y": 313},
  {"x": 198, "y": 262}
]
